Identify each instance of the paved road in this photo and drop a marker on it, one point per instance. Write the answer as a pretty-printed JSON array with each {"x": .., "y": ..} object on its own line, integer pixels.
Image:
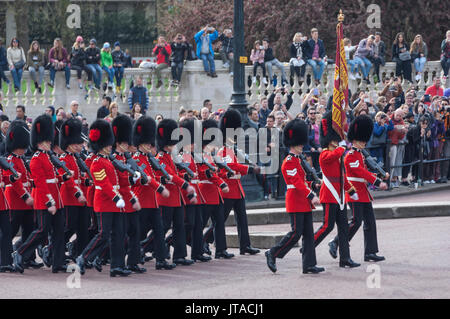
[
  {"x": 417, "y": 266},
  {"x": 442, "y": 195}
]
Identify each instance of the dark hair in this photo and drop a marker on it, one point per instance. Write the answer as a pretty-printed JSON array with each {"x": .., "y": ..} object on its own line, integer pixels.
[
  {"x": 205, "y": 102},
  {"x": 250, "y": 110},
  {"x": 52, "y": 109},
  {"x": 271, "y": 117},
  {"x": 4, "y": 117},
  {"x": 20, "y": 107},
  {"x": 378, "y": 33},
  {"x": 397, "y": 36},
  {"x": 18, "y": 42},
  {"x": 107, "y": 98}
]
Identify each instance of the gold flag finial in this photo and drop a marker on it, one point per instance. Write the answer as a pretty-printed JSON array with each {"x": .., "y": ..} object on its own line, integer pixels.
[{"x": 340, "y": 16}]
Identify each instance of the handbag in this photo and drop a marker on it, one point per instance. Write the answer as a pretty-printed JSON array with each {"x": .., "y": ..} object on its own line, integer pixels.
[
  {"x": 19, "y": 65},
  {"x": 404, "y": 56}
]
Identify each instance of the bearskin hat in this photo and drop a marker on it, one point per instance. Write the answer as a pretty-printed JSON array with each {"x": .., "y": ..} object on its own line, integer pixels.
[
  {"x": 360, "y": 129},
  {"x": 144, "y": 131},
  {"x": 193, "y": 126},
  {"x": 295, "y": 133},
  {"x": 209, "y": 123},
  {"x": 42, "y": 130},
  {"x": 327, "y": 133},
  {"x": 164, "y": 133},
  {"x": 100, "y": 135},
  {"x": 17, "y": 136},
  {"x": 70, "y": 133},
  {"x": 122, "y": 127},
  {"x": 230, "y": 119}
]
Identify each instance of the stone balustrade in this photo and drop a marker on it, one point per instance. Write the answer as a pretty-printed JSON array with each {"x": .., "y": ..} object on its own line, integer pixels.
[{"x": 195, "y": 87}]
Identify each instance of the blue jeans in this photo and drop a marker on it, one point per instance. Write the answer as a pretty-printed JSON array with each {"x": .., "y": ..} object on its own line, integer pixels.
[
  {"x": 177, "y": 70},
  {"x": 419, "y": 64},
  {"x": 33, "y": 76},
  {"x": 208, "y": 63},
  {"x": 66, "y": 71},
  {"x": 314, "y": 64},
  {"x": 110, "y": 73},
  {"x": 364, "y": 65},
  {"x": 3, "y": 77},
  {"x": 17, "y": 77},
  {"x": 119, "y": 74},
  {"x": 96, "y": 71},
  {"x": 353, "y": 65}
]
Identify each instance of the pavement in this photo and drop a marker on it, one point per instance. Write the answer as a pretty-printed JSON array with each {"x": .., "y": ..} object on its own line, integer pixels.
[{"x": 416, "y": 266}]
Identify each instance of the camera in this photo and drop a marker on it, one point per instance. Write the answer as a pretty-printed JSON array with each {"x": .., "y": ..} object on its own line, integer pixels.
[
  {"x": 261, "y": 47},
  {"x": 427, "y": 98}
]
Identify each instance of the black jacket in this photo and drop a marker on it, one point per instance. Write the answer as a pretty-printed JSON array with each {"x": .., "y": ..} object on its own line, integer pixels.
[
  {"x": 293, "y": 50},
  {"x": 272, "y": 97},
  {"x": 92, "y": 55},
  {"x": 179, "y": 51},
  {"x": 309, "y": 48},
  {"x": 118, "y": 57},
  {"x": 227, "y": 43},
  {"x": 268, "y": 55},
  {"x": 78, "y": 57}
]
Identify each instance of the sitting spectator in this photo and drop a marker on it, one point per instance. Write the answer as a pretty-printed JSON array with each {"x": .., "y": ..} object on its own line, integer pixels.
[
  {"x": 352, "y": 66},
  {"x": 297, "y": 61},
  {"x": 377, "y": 59},
  {"x": 270, "y": 61},
  {"x": 93, "y": 59},
  {"x": 3, "y": 64},
  {"x": 377, "y": 142},
  {"x": 445, "y": 57},
  {"x": 113, "y": 112},
  {"x": 362, "y": 56},
  {"x": 162, "y": 50},
  {"x": 264, "y": 111},
  {"x": 397, "y": 148},
  {"x": 78, "y": 61},
  {"x": 257, "y": 58},
  {"x": 180, "y": 49},
  {"x": 411, "y": 150},
  {"x": 419, "y": 52},
  {"x": 315, "y": 53},
  {"x": 226, "y": 51},
  {"x": 435, "y": 89},
  {"x": 35, "y": 62},
  {"x": 103, "y": 110},
  {"x": 138, "y": 94},
  {"x": 136, "y": 111},
  {"x": 119, "y": 65},
  {"x": 128, "y": 60},
  {"x": 107, "y": 65},
  {"x": 402, "y": 57},
  {"x": 203, "y": 40},
  {"x": 59, "y": 61},
  {"x": 16, "y": 61},
  {"x": 204, "y": 114}
]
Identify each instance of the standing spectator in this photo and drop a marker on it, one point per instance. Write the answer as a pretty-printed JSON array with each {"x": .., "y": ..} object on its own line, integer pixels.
[
  {"x": 264, "y": 111},
  {"x": 275, "y": 103},
  {"x": 297, "y": 62},
  {"x": 348, "y": 48},
  {"x": 419, "y": 52},
  {"x": 136, "y": 112},
  {"x": 377, "y": 143},
  {"x": 159, "y": 118},
  {"x": 138, "y": 94},
  {"x": 60, "y": 114},
  {"x": 257, "y": 58},
  {"x": 402, "y": 57},
  {"x": 74, "y": 110},
  {"x": 3, "y": 64},
  {"x": 435, "y": 89},
  {"x": 162, "y": 51},
  {"x": 78, "y": 61},
  {"x": 363, "y": 54},
  {"x": 128, "y": 59},
  {"x": 397, "y": 149},
  {"x": 280, "y": 118},
  {"x": 253, "y": 120},
  {"x": 113, "y": 112},
  {"x": 226, "y": 51},
  {"x": 103, "y": 110},
  {"x": 107, "y": 65},
  {"x": 446, "y": 142},
  {"x": 411, "y": 149},
  {"x": 50, "y": 111},
  {"x": 315, "y": 53},
  {"x": 180, "y": 49},
  {"x": 445, "y": 57},
  {"x": 379, "y": 51},
  {"x": 437, "y": 133},
  {"x": 59, "y": 61},
  {"x": 16, "y": 62},
  {"x": 270, "y": 181},
  {"x": 392, "y": 89},
  {"x": 93, "y": 62},
  {"x": 208, "y": 104},
  {"x": 35, "y": 62},
  {"x": 313, "y": 145},
  {"x": 20, "y": 113},
  {"x": 203, "y": 40},
  {"x": 204, "y": 114},
  {"x": 270, "y": 61},
  {"x": 119, "y": 65}
]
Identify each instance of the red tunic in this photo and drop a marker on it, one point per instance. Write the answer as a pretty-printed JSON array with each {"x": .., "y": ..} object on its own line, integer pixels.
[
  {"x": 125, "y": 182},
  {"x": 70, "y": 189},
  {"x": 17, "y": 191},
  {"x": 90, "y": 189},
  {"x": 298, "y": 194},
  {"x": 3, "y": 203},
  {"x": 234, "y": 183},
  {"x": 106, "y": 184},
  {"x": 359, "y": 176},
  {"x": 147, "y": 193},
  {"x": 187, "y": 158},
  {"x": 210, "y": 183}
]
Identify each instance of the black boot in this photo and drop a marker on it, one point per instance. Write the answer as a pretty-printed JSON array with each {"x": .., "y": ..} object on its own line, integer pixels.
[
  {"x": 164, "y": 265},
  {"x": 223, "y": 254},
  {"x": 250, "y": 250},
  {"x": 46, "y": 257},
  {"x": 97, "y": 264},
  {"x": 373, "y": 257},
  {"x": 271, "y": 261},
  {"x": 33, "y": 264},
  {"x": 81, "y": 264},
  {"x": 136, "y": 269},
  {"x": 201, "y": 258},
  {"x": 206, "y": 249},
  {"x": 6, "y": 268},
  {"x": 333, "y": 249},
  {"x": 348, "y": 263},
  {"x": 18, "y": 262},
  {"x": 313, "y": 270},
  {"x": 183, "y": 261},
  {"x": 62, "y": 268},
  {"x": 119, "y": 271}
]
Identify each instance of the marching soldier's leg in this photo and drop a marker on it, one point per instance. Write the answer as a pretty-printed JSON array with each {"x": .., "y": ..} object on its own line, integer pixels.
[
  {"x": 370, "y": 230},
  {"x": 82, "y": 229},
  {"x": 189, "y": 220},
  {"x": 159, "y": 245},
  {"x": 219, "y": 228},
  {"x": 117, "y": 246},
  {"x": 356, "y": 219},
  {"x": 309, "y": 252},
  {"x": 6, "y": 241},
  {"x": 101, "y": 239},
  {"x": 179, "y": 235},
  {"x": 240, "y": 216},
  {"x": 57, "y": 241},
  {"x": 329, "y": 219},
  {"x": 342, "y": 226},
  {"x": 291, "y": 238},
  {"x": 197, "y": 235}
]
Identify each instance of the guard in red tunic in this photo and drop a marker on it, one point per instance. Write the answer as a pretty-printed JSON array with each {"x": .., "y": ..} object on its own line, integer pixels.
[
  {"x": 144, "y": 131},
  {"x": 108, "y": 203},
  {"x": 212, "y": 186},
  {"x": 18, "y": 190},
  {"x": 300, "y": 201},
  {"x": 74, "y": 199},
  {"x": 93, "y": 227},
  {"x": 333, "y": 202},
  {"x": 235, "y": 198},
  {"x": 5, "y": 229},
  {"x": 172, "y": 209},
  {"x": 359, "y": 134},
  {"x": 47, "y": 199},
  {"x": 122, "y": 130}
]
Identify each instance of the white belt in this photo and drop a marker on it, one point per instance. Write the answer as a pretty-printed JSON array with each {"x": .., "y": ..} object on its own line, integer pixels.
[
  {"x": 2, "y": 184},
  {"x": 116, "y": 187},
  {"x": 235, "y": 177},
  {"x": 290, "y": 186},
  {"x": 194, "y": 181},
  {"x": 205, "y": 182},
  {"x": 356, "y": 179},
  {"x": 333, "y": 192},
  {"x": 24, "y": 185},
  {"x": 51, "y": 181},
  {"x": 77, "y": 181}
]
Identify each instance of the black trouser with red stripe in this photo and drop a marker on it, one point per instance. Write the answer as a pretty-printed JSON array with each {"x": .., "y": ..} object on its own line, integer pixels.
[
  {"x": 77, "y": 222},
  {"x": 334, "y": 215},
  {"x": 175, "y": 216},
  {"x": 133, "y": 232},
  {"x": 93, "y": 226},
  {"x": 240, "y": 216},
  {"x": 216, "y": 231},
  {"x": 111, "y": 231},
  {"x": 194, "y": 229},
  {"x": 6, "y": 240},
  {"x": 47, "y": 223},
  {"x": 155, "y": 240},
  {"x": 24, "y": 219},
  {"x": 363, "y": 212},
  {"x": 302, "y": 226}
]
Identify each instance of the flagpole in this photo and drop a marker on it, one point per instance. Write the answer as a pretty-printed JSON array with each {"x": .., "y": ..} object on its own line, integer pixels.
[{"x": 342, "y": 168}]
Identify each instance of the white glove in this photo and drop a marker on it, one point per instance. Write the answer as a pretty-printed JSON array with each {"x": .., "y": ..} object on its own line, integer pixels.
[
  {"x": 343, "y": 143},
  {"x": 354, "y": 196},
  {"x": 120, "y": 203},
  {"x": 136, "y": 177}
]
